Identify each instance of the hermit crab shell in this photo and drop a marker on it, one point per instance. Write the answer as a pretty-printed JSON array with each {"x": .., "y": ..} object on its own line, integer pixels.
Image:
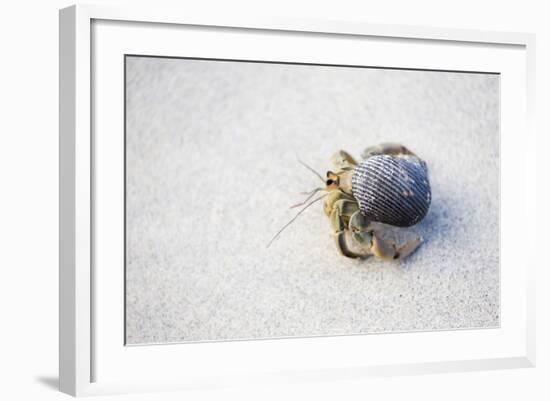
[{"x": 393, "y": 190}]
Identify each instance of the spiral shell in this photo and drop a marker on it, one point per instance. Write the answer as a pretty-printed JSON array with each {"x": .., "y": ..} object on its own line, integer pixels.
[{"x": 393, "y": 190}]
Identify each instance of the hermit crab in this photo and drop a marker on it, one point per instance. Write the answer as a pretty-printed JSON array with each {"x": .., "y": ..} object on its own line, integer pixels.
[{"x": 372, "y": 204}]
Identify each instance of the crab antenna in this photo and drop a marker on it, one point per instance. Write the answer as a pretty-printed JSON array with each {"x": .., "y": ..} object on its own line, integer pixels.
[
  {"x": 312, "y": 170},
  {"x": 309, "y": 196},
  {"x": 294, "y": 218}
]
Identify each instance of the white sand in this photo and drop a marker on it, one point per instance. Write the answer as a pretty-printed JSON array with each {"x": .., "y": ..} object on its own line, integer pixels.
[{"x": 211, "y": 153}]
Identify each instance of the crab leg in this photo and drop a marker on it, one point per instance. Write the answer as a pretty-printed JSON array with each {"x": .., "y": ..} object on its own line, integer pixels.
[
  {"x": 391, "y": 243},
  {"x": 388, "y": 148},
  {"x": 342, "y": 160},
  {"x": 343, "y": 213}
]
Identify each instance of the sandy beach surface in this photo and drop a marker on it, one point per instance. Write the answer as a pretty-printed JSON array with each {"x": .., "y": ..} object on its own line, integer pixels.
[{"x": 212, "y": 169}]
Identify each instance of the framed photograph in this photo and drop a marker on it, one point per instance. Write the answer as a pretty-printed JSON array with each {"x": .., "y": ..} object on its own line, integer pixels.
[{"x": 278, "y": 200}]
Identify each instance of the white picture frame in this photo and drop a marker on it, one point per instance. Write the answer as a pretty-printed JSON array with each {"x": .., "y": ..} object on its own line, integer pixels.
[{"x": 95, "y": 361}]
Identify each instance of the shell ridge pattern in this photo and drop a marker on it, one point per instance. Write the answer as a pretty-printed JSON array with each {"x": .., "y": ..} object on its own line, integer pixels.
[
  {"x": 416, "y": 202},
  {"x": 394, "y": 202},
  {"x": 387, "y": 205},
  {"x": 375, "y": 196},
  {"x": 393, "y": 190}
]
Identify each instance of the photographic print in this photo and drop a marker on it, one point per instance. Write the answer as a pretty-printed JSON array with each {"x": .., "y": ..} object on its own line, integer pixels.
[{"x": 273, "y": 200}]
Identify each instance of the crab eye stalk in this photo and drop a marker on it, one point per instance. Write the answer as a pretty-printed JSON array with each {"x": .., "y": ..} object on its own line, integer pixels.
[{"x": 332, "y": 178}]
